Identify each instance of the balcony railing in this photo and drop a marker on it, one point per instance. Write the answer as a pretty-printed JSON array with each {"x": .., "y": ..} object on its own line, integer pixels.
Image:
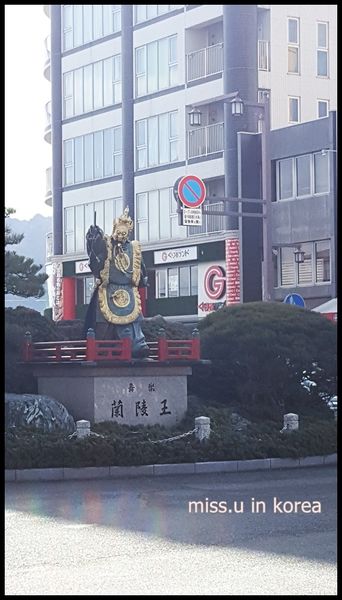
[
  {"x": 211, "y": 223},
  {"x": 48, "y": 192},
  {"x": 204, "y": 62},
  {"x": 205, "y": 140},
  {"x": 48, "y": 247},
  {"x": 47, "y": 131},
  {"x": 263, "y": 55}
]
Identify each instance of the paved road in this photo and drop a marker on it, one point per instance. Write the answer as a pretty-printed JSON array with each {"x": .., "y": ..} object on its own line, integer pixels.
[{"x": 136, "y": 536}]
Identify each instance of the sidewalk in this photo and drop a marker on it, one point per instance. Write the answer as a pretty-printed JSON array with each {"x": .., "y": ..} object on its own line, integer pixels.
[{"x": 231, "y": 466}]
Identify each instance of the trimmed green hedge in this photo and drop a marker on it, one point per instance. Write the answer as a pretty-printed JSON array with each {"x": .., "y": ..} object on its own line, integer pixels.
[{"x": 122, "y": 445}]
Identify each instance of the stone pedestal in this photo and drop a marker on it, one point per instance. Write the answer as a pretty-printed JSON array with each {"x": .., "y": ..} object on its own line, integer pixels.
[{"x": 145, "y": 394}]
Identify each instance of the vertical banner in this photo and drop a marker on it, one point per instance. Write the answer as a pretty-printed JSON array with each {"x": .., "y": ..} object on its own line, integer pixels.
[
  {"x": 233, "y": 271},
  {"x": 57, "y": 280}
]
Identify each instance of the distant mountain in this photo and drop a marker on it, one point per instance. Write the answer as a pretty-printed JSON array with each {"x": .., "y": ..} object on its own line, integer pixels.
[{"x": 32, "y": 246}]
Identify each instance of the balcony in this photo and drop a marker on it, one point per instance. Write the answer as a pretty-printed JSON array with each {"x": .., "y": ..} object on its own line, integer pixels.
[
  {"x": 205, "y": 140},
  {"x": 263, "y": 55},
  {"x": 211, "y": 223},
  {"x": 47, "y": 64},
  {"x": 48, "y": 245},
  {"x": 204, "y": 62},
  {"x": 47, "y": 130},
  {"x": 48, "y": 193}
]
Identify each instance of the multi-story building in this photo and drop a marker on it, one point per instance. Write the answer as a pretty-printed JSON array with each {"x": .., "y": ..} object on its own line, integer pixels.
[{"x": 126, "y": 84}]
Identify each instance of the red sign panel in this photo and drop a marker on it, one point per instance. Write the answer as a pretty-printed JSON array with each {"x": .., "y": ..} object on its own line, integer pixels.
[{"x": 233, "y": 271}]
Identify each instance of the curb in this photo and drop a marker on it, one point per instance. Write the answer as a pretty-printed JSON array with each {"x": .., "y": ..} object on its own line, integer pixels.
[{"x": 230, "y": 466}]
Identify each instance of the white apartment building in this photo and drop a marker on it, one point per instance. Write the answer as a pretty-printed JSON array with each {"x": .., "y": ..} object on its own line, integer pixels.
[{"x": 123, "y": 82}]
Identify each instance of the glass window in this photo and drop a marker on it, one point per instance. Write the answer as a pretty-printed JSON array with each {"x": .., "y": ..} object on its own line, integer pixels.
[
  {"x": 163, "y": 64},
  {"x": 98, "y": 154},
  {"x": 172, "y": 283},
  {"x": 88, "y": 88},
  {"x": 88, "y": 215},
  {"x": 184, "y": 281},
  {"x": 117, "y": 150},
  {"x": 322, "y": 251},
  {"x": 88, "y": 157},
  {"x": 98, "y": 85},
  {"x": 153, "y": 215},
  {"x": 79, "y": 228},
  {"x": 164, "y": 211},
  {"x": 294, "y": 110},
  {"x": 152, "y": 141},
  {"x": 287, "y": 267},
  {"x": 321, "y": 173},
  {"x": 116, "y": 15},
  {"x": 305, "y": 268},
  {"x": 68, "y": 162},
  {"x": 117, "y": 78},
  {"x": 108, "y": 216},
  {"x": 69, "y": 230},
  {"x": 87, "y": 23},
  {"x": 89, "y": 284},
  {"x": 322, "y": 35},
  {"x": 194, "y": 280},
  {"x": 118, "y": 208},
  {"x": 99, "y": 208},
  {"x": 97, "y": 17},
  {"x": 285, "y": 181},
  {"x": 164, "y": 142},
  {"x": 68, "y": 83},
  {"x": 140, "y": 13},
  {"x": 293, "y": 59},
  {"x": 322, "y": 108},
  {"x": 108, "y": 152},
  {"x": 303, "y": 166},
  {"x": 67, "y": 28},
  {"x": 107, "y": 19},
  {"x": 152, "y": 67},
  {"x": 293, "y": 31},
  {"x": 108, "y": 81},
  {"x": 78, "y": 91},
  {"x": 161, "y": 283},
  {"x": 78, "y": 24},
  {"x": 322, "y": 63},
  {"x": 79, "y": 168}
]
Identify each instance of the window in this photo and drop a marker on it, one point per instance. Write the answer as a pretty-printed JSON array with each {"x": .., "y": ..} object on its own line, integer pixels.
[
  {"x": 294, "y": 109},
  {"x": 92, "y": 87},
  {"x": 322, "y": 49},
  {"x": 77, "y": 220},
  {"x": 157, "y": 140},
  {"x": 322, "y": 108},
  {"x": 304, "y": 175},
  {"x": 173, "y": 282},
  {"x": 93, "y": 156},
  {"x": 144, "y": 12},
  {"x": 156, "y": 216},
  {"x": 304, "y": 269},
  {"x": 69, "y": 230},
  {"x": 293, "y": 45},
  {"x": 156, "y": 66},
  {"x": 303, "y": 172},
  {"x": 321, "y": 173},
  {"x": 322, "y": 256},
  {"x": 84, "y": 23},
  {"x": 287, "y": 267}
]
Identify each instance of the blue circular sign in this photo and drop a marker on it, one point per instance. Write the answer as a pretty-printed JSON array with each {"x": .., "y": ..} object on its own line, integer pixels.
[
  {"x": 191, "y": 191},
  {"x": 295, "y": 299}
]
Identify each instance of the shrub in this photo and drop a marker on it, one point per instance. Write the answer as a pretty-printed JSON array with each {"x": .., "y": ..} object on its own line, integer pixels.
[{"x": 259, "y": 352}]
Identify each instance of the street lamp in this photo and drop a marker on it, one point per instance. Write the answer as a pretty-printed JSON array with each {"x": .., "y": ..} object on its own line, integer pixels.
[
  {"x": 237, "y": 106},
  {"x": 299, "y": 256},
  {"x": 195, "y": 117}
]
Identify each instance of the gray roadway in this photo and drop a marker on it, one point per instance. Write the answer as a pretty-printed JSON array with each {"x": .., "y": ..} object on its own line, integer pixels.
[{"x": 136, "y": 536}]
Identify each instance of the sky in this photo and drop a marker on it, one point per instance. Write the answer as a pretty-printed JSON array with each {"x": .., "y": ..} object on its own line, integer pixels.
[{"x": 27, "y": 154}]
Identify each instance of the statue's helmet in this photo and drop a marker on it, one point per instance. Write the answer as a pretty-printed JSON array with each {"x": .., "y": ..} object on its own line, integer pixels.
[{"x": 122, "y": 226}]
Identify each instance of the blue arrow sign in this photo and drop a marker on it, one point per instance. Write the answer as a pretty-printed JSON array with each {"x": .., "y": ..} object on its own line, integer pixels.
[{"x": 295, "y": 299}]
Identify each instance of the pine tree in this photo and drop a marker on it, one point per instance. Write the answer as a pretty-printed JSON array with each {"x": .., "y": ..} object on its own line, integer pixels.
[{"x": 21, "y": 274}]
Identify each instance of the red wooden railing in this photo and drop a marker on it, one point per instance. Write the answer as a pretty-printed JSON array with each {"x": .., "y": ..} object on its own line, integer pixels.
[{"x": 93, "y": 350}]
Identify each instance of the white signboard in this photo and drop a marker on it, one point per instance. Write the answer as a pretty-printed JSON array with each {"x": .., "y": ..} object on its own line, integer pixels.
[
  {"x": 175, "y": 255},
  {"x": 192, "y": 216},
  {"x": 211, "y": 287},
  {"x": 82, "y": 266}
]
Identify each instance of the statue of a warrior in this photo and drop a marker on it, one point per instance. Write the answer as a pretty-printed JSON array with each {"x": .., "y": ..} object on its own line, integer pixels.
[{"x": 116, "y": 262}]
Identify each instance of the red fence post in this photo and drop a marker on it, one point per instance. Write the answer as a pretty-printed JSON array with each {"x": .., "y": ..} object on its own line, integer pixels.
[
  {"x": 162, "y": 344},
  {"x": 27, "y": 347},
  {"x": 196, "y": 350},
  {"x": 126, "y": 349},
  {"x": 91, "y": 346}
]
